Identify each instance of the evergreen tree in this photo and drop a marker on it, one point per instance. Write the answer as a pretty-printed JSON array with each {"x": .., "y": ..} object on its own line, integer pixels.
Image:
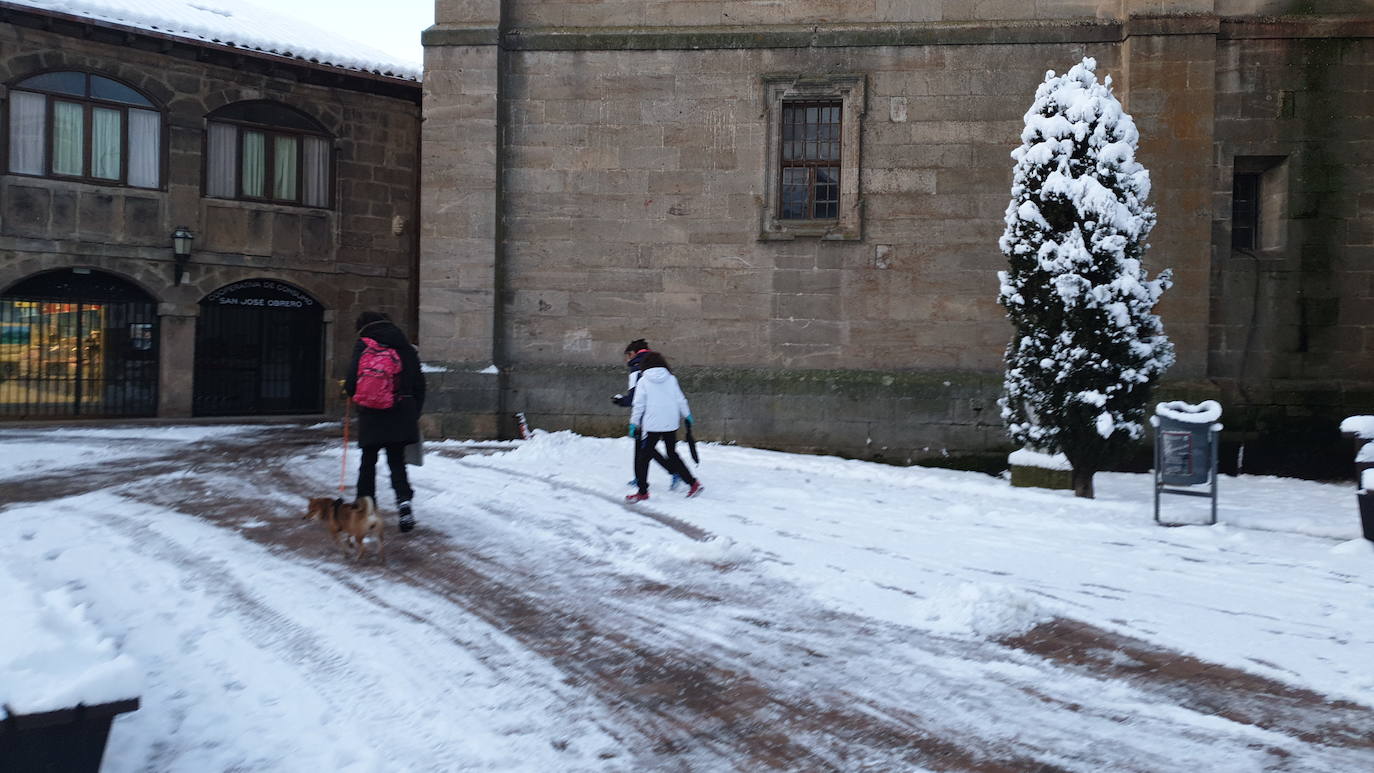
[{"x": 1087, "y": 345}]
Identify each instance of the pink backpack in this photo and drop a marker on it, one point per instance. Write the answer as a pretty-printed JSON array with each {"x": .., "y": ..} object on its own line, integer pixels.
[{"x": 378, "y": 367}]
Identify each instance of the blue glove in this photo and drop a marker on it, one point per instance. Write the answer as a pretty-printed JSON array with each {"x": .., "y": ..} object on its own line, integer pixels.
[
  {"x": 689, "y": 418},
  {"x": 634, "y": 430}
]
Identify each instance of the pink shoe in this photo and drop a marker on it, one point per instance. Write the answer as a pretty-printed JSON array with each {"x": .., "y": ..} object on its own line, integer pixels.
[
  {"x": 695, "y": 489},
  {"x": 636, "y": 498}
]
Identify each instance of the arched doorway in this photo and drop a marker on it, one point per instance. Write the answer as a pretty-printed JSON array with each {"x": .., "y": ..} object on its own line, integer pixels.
[
  {"x": 259, "y": 350},
  {"x": 77, "y": 342}
]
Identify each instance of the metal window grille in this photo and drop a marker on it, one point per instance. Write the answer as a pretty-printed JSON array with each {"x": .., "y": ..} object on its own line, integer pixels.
[
  {"x": 63, "y": 355},
  {"x": 810, "y": 167},
  {"x": 1245, "y": 211}
]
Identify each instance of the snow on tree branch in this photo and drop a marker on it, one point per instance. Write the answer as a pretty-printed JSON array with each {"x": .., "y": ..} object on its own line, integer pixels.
[{"x": 1087, "y": 344}]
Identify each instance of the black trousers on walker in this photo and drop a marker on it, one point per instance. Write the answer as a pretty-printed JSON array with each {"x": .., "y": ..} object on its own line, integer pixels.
[
  {"x": 396, "y": 461},
  {"x": 644, "y": 451}
]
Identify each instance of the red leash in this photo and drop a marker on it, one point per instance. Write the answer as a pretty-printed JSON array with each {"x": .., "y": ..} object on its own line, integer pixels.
[{"x": 343, "y": 468}]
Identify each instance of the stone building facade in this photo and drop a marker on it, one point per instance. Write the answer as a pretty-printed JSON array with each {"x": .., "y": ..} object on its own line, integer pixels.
[
  {"x": 298, "y": 181},
  {"x": 600, "y": 171}
]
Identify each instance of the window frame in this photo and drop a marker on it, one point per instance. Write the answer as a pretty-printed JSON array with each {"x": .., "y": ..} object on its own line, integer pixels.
[
  {"x": 781, "y": 90},
  {"x": 811, "y": 165},
  {"x": 270, "y": 132},
  {"x": 88, "y": 104},
  {"x": 1252, "y": 222}
]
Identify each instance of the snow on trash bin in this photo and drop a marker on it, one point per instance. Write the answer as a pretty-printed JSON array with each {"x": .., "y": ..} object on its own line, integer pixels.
[{"x": 52, "y": 657}]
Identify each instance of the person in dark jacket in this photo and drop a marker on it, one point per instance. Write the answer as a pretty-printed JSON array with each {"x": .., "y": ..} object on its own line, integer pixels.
[
  {"x": 634, "y": 358},
  {"x": 396, "y": 427},
  {"x": 635, "y": 353}
]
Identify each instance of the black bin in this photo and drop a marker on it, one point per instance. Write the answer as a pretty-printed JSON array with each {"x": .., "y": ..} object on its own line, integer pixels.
[
  {"x": 1367, "y": 514},
  {"x": 64, "y": 741}
]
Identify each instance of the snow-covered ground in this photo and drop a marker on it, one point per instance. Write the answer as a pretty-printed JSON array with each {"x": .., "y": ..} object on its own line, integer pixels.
[{"x": 805, "y": 613}]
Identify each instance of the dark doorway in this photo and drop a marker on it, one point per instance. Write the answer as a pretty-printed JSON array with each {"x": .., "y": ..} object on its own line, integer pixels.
[
  {"x": 259, "y": 350},
  {"x": 77, "y": 342}
]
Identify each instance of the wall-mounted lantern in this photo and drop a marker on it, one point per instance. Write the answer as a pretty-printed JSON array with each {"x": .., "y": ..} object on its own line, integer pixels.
[{"x": 181, "y": 250}]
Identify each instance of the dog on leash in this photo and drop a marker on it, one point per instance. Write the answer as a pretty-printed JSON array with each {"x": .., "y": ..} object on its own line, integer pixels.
[{"x": 355, "y": 521}]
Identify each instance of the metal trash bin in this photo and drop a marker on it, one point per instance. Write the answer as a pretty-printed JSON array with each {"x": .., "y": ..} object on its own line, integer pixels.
[
  {"x": 68, "y": 740},
  {"x": 1186, "y": 438}
]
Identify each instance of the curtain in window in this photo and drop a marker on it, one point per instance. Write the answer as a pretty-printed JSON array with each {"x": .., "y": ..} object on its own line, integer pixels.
[
  {"x": 284, "y": 171},
  {"x": 68, "y": 138},
  {"x": 316, "y": 183},
  {"x": 223, "y": 160},
  {"x": 107, "y": 137},
  {"x": 254, "y": 164},
  {"x": 145, "y": 148},
  {"x": 28, "y": 116}
]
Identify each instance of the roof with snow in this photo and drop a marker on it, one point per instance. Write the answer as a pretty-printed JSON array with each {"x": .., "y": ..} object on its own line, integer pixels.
[{"x": 235, "y": 24}]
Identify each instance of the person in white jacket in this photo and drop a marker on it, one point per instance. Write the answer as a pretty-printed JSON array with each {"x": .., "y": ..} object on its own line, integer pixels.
[{"x": 659, "y": 406}]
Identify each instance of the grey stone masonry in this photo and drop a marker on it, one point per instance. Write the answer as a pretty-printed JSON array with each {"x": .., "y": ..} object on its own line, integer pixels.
[{"x": 602, "y": 171}]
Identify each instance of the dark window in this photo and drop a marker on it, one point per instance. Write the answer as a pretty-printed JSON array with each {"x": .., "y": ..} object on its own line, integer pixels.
[
  {"x": 1245, "y": 210},
  {"x": 263, "y": 151},
  {"x": 84, "y": 126},
  {"x": 810, "y": 152}
]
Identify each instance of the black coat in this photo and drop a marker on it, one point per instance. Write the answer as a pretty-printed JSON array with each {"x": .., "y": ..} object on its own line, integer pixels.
[
  {"x": 399, "y": 424},
  {"x": 636, "y": 364}
]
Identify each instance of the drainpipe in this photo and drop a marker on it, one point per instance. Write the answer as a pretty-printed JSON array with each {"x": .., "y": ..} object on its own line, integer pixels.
[
  {"x": 414, "y": 317},
  {"x": 500, "y": 357}
]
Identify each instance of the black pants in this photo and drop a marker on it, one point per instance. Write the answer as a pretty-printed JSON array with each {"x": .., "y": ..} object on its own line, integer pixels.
[
  {"x": 645, "y": 450},
  {"x": 396, "y": 460}
]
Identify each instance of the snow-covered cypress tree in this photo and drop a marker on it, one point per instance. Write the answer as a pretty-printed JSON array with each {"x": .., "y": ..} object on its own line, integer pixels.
[{"x": 1087, "y": 345}]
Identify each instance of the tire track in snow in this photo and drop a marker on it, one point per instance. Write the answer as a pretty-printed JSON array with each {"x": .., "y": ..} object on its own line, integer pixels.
[{"x": 683, "y": 700}]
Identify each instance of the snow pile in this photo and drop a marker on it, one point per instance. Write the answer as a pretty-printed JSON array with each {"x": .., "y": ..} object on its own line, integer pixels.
[
  {"x": 720, "y": 552},
  {"x": 52, "y": 657},
  {"x": 1360, "y": 426},
  {"x": 982, "y": 610},
  {"x": 1028, "y": 458},
  {"x": 1366, "y": 453},
  {"x": 1087, "y": 344},
  {"x": 237, "y": 24},
  {"x": 1204, "y": 412},
  {"x": 425, "y": 367},
  {"x": 1366, "y": 477}
]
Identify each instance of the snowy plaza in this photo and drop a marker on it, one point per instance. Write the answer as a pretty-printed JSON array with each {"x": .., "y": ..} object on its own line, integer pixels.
[{"x": 803, "y": 613}]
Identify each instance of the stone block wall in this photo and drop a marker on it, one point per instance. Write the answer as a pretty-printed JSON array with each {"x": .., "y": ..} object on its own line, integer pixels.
[
  {"x": 359, "y": 253},
  {"x": 631, "y": 185}
]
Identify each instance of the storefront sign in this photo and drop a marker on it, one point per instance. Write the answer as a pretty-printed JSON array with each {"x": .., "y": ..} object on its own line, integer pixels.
[{"x": 260, "y": 293}]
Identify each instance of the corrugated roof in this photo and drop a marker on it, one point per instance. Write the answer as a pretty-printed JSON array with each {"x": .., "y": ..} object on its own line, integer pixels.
[{"x": 236, "y": 24}]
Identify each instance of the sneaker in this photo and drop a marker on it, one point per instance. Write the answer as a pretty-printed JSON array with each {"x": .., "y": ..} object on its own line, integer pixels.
[
  {"x": 636, "y": 497},
  {"x": 407, "y": 517},
  {"x": 677, "y": 481},
  {"x": 695, "y": 489}
]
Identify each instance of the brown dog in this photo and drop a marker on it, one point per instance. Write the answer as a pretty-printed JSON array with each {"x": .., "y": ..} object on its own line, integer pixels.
[{"x": 356, "y": 520}]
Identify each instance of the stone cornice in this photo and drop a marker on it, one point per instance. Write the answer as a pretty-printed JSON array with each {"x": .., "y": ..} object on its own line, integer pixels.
[
  {"x": 453, "y": 35},
  {"x": 903, "y": 34},
  {"x": 1255, "y": 28}
]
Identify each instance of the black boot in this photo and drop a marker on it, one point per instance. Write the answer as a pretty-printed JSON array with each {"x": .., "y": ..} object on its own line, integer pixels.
[{"x": 407, "y": 518}]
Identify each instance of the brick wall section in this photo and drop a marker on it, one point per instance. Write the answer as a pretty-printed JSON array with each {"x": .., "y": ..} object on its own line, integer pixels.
[{"x": 348, "y": 257}]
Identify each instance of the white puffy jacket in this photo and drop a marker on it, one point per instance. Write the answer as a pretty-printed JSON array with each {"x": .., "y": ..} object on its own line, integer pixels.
[{"x": 659, "y": 402}]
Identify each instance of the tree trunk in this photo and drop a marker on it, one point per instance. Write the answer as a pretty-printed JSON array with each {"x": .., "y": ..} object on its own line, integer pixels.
[{"x": 1083, "y": 482}]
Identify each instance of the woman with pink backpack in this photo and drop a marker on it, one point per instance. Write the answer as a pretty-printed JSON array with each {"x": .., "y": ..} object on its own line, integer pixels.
[{"x": 385, "y": 383}]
